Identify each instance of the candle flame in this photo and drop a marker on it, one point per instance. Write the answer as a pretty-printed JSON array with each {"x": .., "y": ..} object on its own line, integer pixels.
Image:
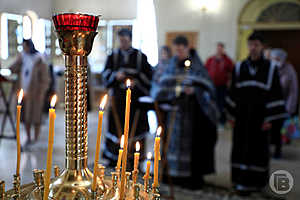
[
  {"x": 137, "y": 146},
  {"x": 187, "y": 63},
  {"x": 53, "y": 101},
  {"x": 122, "y": 142},
  {"x": 20, "y": 96},
  {"x": 128, "y": 83},
  {"x": 149, "y": 155},
  {"x": 158, "y": 131},
  {"x": 103, "y": 102}
]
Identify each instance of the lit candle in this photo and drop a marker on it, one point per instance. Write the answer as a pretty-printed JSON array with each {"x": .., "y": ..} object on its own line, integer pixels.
[
  {"x": 126, "y": 129},
  {"x": 52, "y": 117},
  {"x": 98, "y": 143},
  {"x": 19, "y": 107},
  {"x": 137, "y": 156},
  {"x": 157, "y": 156},
  {"x": 149, "y": 156},
  {"x": 120, "y": 153},
  {"x": 187, "y": 63}
]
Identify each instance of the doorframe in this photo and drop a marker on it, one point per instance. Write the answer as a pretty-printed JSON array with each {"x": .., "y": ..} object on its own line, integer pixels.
[{"x": 247, "y": 23}]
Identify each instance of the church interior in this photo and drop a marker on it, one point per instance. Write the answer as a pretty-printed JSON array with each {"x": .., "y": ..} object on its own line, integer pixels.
[{"x": 149, "y": 99}]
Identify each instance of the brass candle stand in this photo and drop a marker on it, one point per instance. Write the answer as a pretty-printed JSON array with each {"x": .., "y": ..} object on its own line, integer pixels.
[
  {"x": 56, "y": 171},
  {"x": 76, "y": 33},
  {"x": 17, "y": 185},
  {"x": 134, "y": 176},
  {"x": 2, "y": 190},
  {"x": 147, "y": 188}
]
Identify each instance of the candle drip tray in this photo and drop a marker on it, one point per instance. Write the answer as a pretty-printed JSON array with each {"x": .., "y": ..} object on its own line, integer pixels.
[{"x": 76, "y": 185}]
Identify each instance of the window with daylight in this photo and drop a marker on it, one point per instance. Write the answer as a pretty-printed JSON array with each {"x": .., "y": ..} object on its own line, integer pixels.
[
  {"x": 48, "y": 36},
  {"x": 145, "y": 32},
  {"x": 11, "y": 35},
  {"x": 16, "y": 27}
]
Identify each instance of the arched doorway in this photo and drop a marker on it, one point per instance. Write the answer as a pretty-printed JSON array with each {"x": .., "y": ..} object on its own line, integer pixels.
[{"x": 279, "y": 20}]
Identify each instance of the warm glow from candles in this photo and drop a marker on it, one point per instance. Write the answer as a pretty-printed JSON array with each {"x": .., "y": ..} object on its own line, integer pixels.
[
  {"x": 156, "y": 156},
  {"x": 158, "y": 132},
  {"x": 98, "y": 141},
  {"x": 103, "y": 102},
  {"x": 120, "y": 153},
  {"x": 149, "y": 155},
  {"x": 128, "y": 83},
  {"x": 18, "y": 117},
  {"x": 20, "y": 96},
  {"x": 52, "y": 117},
  {"x": 126, "y": 131},
  {"x": 137, "y": 146},
  {"x": 136, "y": 162},
  {"x": 53, "y": 101},
  {"x": 122, "y": 142},
  {"x": 187, "y": 63}
]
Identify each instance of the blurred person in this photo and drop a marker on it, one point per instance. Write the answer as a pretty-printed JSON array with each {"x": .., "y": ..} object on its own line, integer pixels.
[
  {"x": 164, "y": 60},
  {"x": 125, "y": 62},
  {"x": 162, "y": 109},
  {"x": 267, "y": 53},
  {"x": 288, "y": 79},
  {"x": 186, "y": 85},
  {"x": 51, "y": 89},
  {"x": 220, "y": 67},
  {"x": 254, "y": 101},
  {"x": 34, "y": 80},
  {"x": 289, "y": 82},
  {"x": 163, "y": 63}
]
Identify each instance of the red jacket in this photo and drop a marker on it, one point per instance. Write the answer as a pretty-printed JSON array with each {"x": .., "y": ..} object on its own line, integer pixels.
[{"x": 219, "y": 69}]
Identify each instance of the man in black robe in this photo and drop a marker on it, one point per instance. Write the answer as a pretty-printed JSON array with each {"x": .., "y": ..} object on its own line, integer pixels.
[
  {"x": 186, "y": 85},
  {"x": 255, "y": 100},
  {"x": 125, "y": 62}
]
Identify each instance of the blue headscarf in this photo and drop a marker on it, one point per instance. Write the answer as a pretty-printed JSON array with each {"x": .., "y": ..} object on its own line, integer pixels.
[{"x": 280, "y": 53}]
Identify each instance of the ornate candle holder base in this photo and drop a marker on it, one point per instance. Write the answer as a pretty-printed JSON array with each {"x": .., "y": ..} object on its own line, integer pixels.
[
  {"x": 111, "y": 192},
  {"x": 135, "y": 176},
  {"x": 72, "y": 183},
  {"x": 17, "y": 185},
  {"x": 38, "y": 191},
  {"x": 155, "y": 192},
  {"x": 147, "y": 188},
  {"x": 2, "y": 190}
]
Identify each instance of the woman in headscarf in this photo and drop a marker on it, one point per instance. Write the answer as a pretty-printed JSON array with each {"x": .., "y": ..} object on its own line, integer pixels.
[
  {"x": 163, "y": 63},
  {"x": 186, "y": 85},
  {"x": 164, "y": 60},
  {"x": 34, "y": 80},
  {"x": 289, "y": 84}
]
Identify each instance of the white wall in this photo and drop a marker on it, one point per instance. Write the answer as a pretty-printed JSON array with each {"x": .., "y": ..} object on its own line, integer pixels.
[
  {"x": 109, "y": 9},
  {"x": 172, "y": 15},
  {"x": 41, "y": 7},
  {"x": 213, "y": 25}
]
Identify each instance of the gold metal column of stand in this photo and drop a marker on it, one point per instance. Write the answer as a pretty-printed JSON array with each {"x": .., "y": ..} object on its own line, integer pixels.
[{"x": 75, "y": 181}]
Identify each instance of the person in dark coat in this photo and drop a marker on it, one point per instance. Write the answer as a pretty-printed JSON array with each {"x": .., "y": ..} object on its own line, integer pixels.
[
  {"x": 125, "y": 62},
  {"x": 255, "y": 100},
  {"x": 186, "y": 85}
]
